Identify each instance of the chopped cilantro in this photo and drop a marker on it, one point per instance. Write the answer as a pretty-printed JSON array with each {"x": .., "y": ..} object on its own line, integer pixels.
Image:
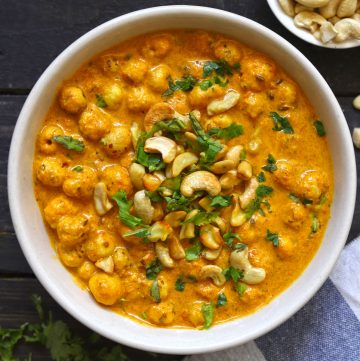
[
  {"x": 151, "y": 160},
  {"x": 220, "y": 201},
  {"x": 262, "y": 191},
  {"x": 124, "y": 210},
  {"x": 70, "y": 143},
  {"x": 193, "y": 253},
  {"x": 152, "y": 269},
  {"x": 178, "y": 202},
  {"x": 243, "y": 154},
  {"x": 100, "y": 101},
  {"x": 281, "y": 124},
  {"x": 314, "y": 223},
  {"x": 296, "y": 199},
  {"x": 261, "y": 177},
  {"x": 140, "y": 232},
  {"x": 273, "y": 237},
  {"x": 155, "y": 292},
  {"x": 240, "y": 288},
  {"x": 186, "y": 83},
  {"x": 230, "y": 132},
  {"x": 221, "y": 300},
  {"x": 78, "y": 169},
  {"x": 180, "y": 284},
  {"x": 229, "y": 239},
  {"x": 320, "y": 129},
  {"x": 220, "y": 67},
  {"x": 233, "y": 273},
  {"x": 202, "y": 218},
  {"x": 207, "y": 310},
  {"x": 205, "y": 84},
  {"x": 270, "y": 164}
]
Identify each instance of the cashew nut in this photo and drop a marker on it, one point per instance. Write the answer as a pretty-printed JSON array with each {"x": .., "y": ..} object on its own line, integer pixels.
[
  {"x": 356, "y": 102},
  {"x": 198, "y": 181},
  {"x": 159, "y": 231},
  {"x": 244, "y": 170},
  {"x": 229, "y": 100},
  {"x": 327, "y": 32},
  {"x": 102, "y": 203},
  {"x": 163, "y": 145},
  {"x": 188, "y": 229},
  {"x": 308, "y": 20},
  {"x": 210, "y": 236},
  {"x": 222, "y": 166},
  {"x": 249, "y": 193},
  {"x": 252, "y": 275},
  {"x": 143, "y": 207},
  {"x": 205, "y": 203},
  {"x": 346, "y": 8},
  {"x": 213, "y": 272},
  {"x": 175, "y": 218},
  {"x": 157, "y": 113},
  {"x": 238, "y": 217},
  {"x": 135, "y": 133},
  {"x": 229, "y": 180},
  {"x": 137, "y": 172},
  {"x": 106, "y": 264},
  {"x": 183, "y": 161},
  {"x": 356, "y": 137},
  {"x": 300, "y": 8},
  {"x": 220, "y": 222},
  {"x": 288, "y": 7},
  {"x": 346, "y": 29},
  {"x": 175, "y": 248},
  {"x": 234, "y": 154},
  {"x": 329, "y": 10},
  {"x": 211, "y": 254},
  {"x": 334, "y": 20},
  {"x": 162, "y": 252},
  {"x": 160, "y": 175},
  {"x": 151, "y": 182},
  {"x": 313, "y": 3}
]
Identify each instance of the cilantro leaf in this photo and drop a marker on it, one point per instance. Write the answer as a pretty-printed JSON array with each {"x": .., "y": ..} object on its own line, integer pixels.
[
  {"x": 220, "y": 67},
  {"x": 270, "y": 164},
  {"x": 230, "y": 132},
  {"x": 240, "y": 288},
  {"x": 207, "y": 310},
  {"x": 243, "y": 154},
  {"x": 261, "y": 177},
  {"x": 220, "y": 201},
  {"x": 233, "y": 273},
  {"x": 262, "y": 191},
  {"x": 229, "y": 239},
  {"x": 281, "y": 124},
  {"x": 221, "y": 300},
  {"x": 202, "y": 218},
  {"x": 69, "y": 143},
  {"x": 77, "y": 168},
  {"x": 296, "y": 199},
  {"x": 151, "y": 160},
  {"x": 273, "y": 237},
  {"x": 178, "y": 202},
  {"x": 180, "y": 284},
  {"x": 193, "y": 253},
  {"x": 124, "y": 210},
  {"x": 153, "y": 269},
  {"x": 155, "y": 292},
  {"x": 320, "y": 129},
  {"x": 140, "y": 232},
  {"x": 185, "y": 84},
  {"x": 315, "y": 224},
  {"x": 205, "y": 84},
  {"x": 100, "y": 101}
]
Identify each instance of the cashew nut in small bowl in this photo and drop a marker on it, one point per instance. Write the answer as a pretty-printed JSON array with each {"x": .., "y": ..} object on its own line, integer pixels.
[
  {"x": 327, "y": 32},
  {"x": 309, "y": 20},
  {"x": 347, "y": 29},
  {"x": 157, "y": 113},
  {"x": 356, "y": 137},
  {"x": 313, "y": 3},
  {"x": 162, "y": 252},
  {"x": 210, "y": 236},
  {"x": 288, "y": 6},
  {"x": 240, "y": 261},
  {"x": 200, "y": 181},
  {"x": 183, "y": 161},
  {"x": 143, "y": 207},
  {"x": 329, "y": 10},
  {"x": 166, "y": 146},
  {"x": 346, "y": 8},
  {"x": 213, "y": 272},
  {"x": 101, "y": 201},
  {"x": 229, "y": 100}
]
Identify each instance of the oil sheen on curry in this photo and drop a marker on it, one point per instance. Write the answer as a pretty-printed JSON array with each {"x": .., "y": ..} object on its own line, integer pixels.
[{"x": 184, "y": 178}]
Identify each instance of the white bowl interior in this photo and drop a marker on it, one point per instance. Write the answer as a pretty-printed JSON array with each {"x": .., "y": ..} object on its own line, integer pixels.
[
  {"x": 304, "y": 34},
  {"x": 29, "y": 224}
]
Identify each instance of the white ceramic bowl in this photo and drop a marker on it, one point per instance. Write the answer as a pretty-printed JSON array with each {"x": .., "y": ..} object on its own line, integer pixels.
[
  {"x": 304, "y": 34},
  {"x": 29, "y": 225}
]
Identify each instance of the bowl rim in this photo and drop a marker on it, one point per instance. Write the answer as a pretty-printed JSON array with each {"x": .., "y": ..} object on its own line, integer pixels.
[
  {"x": 288, "y": 23},
  {"x": 44, "y": 277}
]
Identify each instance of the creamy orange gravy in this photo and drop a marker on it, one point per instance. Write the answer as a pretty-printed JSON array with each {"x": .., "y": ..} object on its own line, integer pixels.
[{"x": 130, "y": 79}]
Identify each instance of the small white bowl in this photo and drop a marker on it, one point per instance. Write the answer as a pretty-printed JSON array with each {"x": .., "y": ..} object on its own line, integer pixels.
[
  {"x": 304, "y": 34},
  {"x": 31, "y": 231}
]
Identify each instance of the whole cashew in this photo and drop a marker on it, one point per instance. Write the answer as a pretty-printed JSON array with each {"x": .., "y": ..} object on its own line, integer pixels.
[
  {"x": 200, "y": 181},
  {"x": 183, "y": 161},
  {"x": 234, "y": 154},
  {"x": 157, "y": 113},
  {"x": 252, "y": 275},
  {"x": 308, "y": 20},
  {"x": 222, "y": 166},
  {"x": 143, "y": 207},
  {"x": 211, "y": 254},
  {"x": 166, "y": 146},
  {"x": 249, "y": 193},
  {"x": 346, "y": 8},
  {"x": 238, "y": 216},
  {"x": 346, "y": 29},
  {"x": 313, "y": 3},
  {"x": 162, "y": 252},
  {"x": 229, "y": 100},
  {"x": 101, "y": 201},
  {"x": 137, "y": 172},
  {"x": 288, "y": 7},
  {"x": 327, "y": 32},
  {"x": 213, "y": 272},
  {"x": 329, "y": 10},
  {"x": 229, "y": 180}
]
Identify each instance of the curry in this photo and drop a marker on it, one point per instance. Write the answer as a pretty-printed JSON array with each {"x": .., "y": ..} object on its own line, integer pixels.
[{"x": 184, "y": 178}]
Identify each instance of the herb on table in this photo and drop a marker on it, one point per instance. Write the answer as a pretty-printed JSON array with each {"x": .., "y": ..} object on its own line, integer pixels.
[
  {"x": 233, "y": 273},
  {"x": 70, "y": 143},
  {"x": 273, "y": 237},
  {"x": 230, "y": 132},
  {"x": 180, "y": 284},
  {"x": 100, "y": 101},
  {"x": 78, "y": 169},
  {"x": 153, "y": 269},
  {"x": 124, "y": 210},
  {"x": 320, "y": 129},
  {"x": 314, "y": 223},
  {"x": 282, "y": 124},
  {"x": 155, "y": 292},
  {"x": 220, "y": 201},
  {"x": 193, "y": 252},
  {"x": 270, "y": 164},
  {"x": 207, "y": 310},
  {"x": 185, "y": 84},
  {"x": 221, "y": 300},
  {"x": 202, "y": 218},
  {"x": 240, "y": 288},
  {"x": 261, "y": 177},
  {"x": 262, "y": 191}
]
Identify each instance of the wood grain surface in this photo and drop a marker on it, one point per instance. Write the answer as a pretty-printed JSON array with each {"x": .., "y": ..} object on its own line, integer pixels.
[{"x": 32, "y": 34}]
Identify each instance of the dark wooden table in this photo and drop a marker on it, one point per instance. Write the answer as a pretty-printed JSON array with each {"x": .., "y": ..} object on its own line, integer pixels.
[{"x": 32, "y": 34}]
